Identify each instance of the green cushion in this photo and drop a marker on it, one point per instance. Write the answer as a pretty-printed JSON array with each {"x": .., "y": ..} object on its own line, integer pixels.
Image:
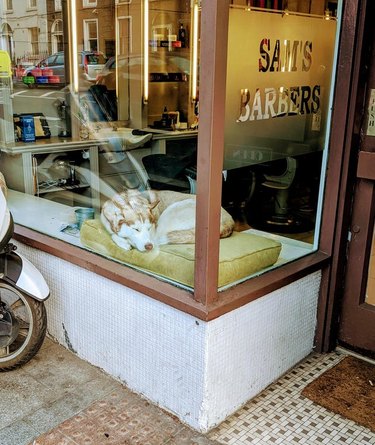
[{"x": 241, "y": 255}]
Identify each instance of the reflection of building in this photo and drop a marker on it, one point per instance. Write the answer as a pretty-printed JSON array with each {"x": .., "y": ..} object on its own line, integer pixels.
[
  {"x": 55, "y": 25},
  {"x": 96, "y": 16},
  {"x": 37, "y": 34},
  {"x": 33, "y": 29}
]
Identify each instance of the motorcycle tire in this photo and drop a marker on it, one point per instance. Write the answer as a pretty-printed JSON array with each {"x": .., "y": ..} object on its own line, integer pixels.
[{"x": 32, "y": 318}]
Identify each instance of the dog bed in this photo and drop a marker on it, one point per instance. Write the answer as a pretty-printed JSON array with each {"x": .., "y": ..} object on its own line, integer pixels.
[{"x": 241, "y": 255}]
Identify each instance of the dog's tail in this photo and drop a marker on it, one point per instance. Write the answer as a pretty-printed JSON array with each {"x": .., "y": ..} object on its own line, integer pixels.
[
  {"x": 177, "y": 237},
  {"x": 226, "y": 224}
]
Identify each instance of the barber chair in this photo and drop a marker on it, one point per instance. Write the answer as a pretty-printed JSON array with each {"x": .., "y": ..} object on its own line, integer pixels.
[
  {"x": 238, "y": 187},
  {"x": 170, "y": 172},
  {"x": 281, "y": 183},
  {"x": 105, "y": 101},
  {"x": 272, "y": 210},
  {"x": 179, "y": 173}
]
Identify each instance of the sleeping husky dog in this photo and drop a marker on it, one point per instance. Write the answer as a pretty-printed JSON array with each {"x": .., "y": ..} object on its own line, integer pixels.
[{"x": 143, "y": 220}]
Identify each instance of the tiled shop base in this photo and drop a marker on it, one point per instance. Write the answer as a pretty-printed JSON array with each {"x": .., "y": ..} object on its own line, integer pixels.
[{"x": 281, "y": 416}]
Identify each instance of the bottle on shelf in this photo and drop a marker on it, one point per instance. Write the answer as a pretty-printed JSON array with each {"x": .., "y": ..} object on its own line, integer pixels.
[
  {"x": 182, "y": 35},
  {"x": 165, "y": 118}
]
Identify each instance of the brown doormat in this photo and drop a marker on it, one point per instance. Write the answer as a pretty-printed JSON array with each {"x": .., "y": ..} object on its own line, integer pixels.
[{"x": 347, "y": 389}]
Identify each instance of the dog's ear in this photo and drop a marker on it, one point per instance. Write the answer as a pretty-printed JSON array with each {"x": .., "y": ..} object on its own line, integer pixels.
[
  {"x": 114, "y": 218},
  {"x": 153, "y": 199},
  {"x": 153, "y": 204},
  {"x": 119, "y": 200}
]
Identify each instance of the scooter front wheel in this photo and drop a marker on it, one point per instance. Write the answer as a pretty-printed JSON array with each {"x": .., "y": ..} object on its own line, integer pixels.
[{"x": 29, "y": 327}]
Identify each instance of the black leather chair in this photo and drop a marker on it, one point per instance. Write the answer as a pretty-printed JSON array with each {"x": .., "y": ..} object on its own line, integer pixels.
[{"x": 168, "y": 172}]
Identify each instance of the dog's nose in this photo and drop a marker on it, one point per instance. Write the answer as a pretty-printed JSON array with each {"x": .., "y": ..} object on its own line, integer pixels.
[{"x": 149, "y": 246}]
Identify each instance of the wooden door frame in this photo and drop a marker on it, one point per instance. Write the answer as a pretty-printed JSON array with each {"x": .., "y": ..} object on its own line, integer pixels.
[
  {"x": 355, "y": 312},
  {"x": 351, "y": 78}
]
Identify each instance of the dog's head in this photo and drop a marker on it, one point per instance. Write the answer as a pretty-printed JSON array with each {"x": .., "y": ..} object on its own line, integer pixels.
[{"x": 131, "y": 216}]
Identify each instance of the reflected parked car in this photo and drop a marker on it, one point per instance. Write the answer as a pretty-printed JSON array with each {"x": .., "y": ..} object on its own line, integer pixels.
[
  {"x": 176, "y": 65},
  {"x": 51, "y": 70}
]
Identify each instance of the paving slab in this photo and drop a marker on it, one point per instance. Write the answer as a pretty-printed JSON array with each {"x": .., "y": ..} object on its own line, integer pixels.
[{"x": 59, "y": 399}]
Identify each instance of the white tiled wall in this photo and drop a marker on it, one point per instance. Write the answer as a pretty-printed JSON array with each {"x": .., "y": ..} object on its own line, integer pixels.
[
  {"x": 247, "y": 349},
  {"x": 202, "y": 372}
]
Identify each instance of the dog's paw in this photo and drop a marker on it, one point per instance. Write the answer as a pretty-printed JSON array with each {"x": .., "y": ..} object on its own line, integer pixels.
[{"x": 121, "y": 242}]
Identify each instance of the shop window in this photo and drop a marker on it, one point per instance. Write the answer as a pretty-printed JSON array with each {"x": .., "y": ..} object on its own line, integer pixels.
[
  {"x": 277, "y": 109},
  {"x": 110, "y": 126}
]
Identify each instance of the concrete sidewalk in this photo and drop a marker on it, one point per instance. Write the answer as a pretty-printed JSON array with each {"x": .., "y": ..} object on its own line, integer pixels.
[{"x": 59, "y": 399}]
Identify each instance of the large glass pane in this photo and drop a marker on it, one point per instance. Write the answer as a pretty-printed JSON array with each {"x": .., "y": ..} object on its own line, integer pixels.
[
  {"x": 100, "y": 97},
  {"x": 280, "y": 66},
  {"x": 101, "y": 107}
]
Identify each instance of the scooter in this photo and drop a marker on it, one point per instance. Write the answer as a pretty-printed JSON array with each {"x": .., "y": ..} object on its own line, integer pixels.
[{"x": 23, "y": 290}]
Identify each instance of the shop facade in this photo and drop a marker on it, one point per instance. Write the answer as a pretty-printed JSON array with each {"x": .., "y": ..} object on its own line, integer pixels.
[{"x": 249, "y": 108}]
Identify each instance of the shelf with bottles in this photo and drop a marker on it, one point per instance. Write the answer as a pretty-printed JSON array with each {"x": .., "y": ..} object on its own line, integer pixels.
[
  {"x": 171, "y": 45},
  {"x": 172, "y": 52},
  {"x": 171, "y": 33},
  {"x": 171, "y": 41},
  {"x": 267, "y": 4},
  {"x": 168, "y": 77}
]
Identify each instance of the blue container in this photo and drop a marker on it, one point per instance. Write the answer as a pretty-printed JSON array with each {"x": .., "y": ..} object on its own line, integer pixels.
[
  {"x": 83, "y": 214},
  {"x": 42, "y": 79},
  {"x": 27, "y": 128}
]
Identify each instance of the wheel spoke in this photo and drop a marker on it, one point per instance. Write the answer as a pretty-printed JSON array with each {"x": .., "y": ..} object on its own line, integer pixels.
[
  {"x": 23, "y": 324},
  {"x": 23, "y": 332},
  {"x": 18, "y": 303}
]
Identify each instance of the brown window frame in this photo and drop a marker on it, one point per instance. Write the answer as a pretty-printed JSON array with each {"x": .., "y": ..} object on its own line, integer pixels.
[
  {"x": 215, "y": 304},
  {"x": 206, "y": 303}
]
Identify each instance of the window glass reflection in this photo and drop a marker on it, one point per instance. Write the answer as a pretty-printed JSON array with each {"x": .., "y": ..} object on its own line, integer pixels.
[
  {"x": 280, "y": 59},
  {"x": 101, "y": 102}
]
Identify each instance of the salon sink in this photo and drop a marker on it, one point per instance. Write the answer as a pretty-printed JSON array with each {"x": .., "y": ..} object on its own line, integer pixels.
[{"x": 122, "y": 136}]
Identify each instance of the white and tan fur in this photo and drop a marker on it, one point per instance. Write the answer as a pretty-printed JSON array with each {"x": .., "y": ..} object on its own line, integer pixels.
[
  {"x": 143, "y": 220},
  {"x": 3, "y": 185}
]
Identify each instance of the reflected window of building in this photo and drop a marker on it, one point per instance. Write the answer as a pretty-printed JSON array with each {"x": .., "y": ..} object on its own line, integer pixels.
[
  {"x": 34, "y": 40},
  {"x": 9, "y": 5},
  {"x": 91, "y": 35},
  {"x": 7, "y": 39},
  {"x": 57, "y": 36},
  {"x": 89, "y": 3},
  {"x": 58, "y": 6},
  {"x": 32, "y": 4}
]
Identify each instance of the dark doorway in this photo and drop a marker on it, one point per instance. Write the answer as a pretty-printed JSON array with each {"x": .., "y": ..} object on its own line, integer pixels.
[{"x": 357, "y": 315}]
